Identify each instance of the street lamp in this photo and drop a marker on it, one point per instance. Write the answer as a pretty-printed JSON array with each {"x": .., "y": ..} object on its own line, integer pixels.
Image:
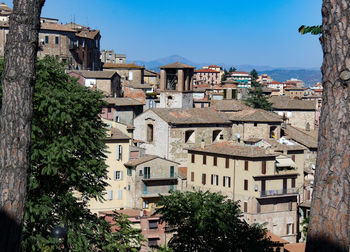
[{"x": 61, "y": 233}]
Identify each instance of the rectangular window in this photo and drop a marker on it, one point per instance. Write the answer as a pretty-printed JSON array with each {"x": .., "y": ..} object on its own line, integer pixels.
[
  {"x": 146, "y": 172},
  {"x": 204, "y": 159},
  {"x": 119, "y": 152},
  {"x": 129, "y": 171},
  {"x": 192, "y": 176},
  {"x": 227, "y": 163},
  {"x": 293, "y": 158},
  {"x": 172, "y": 171},
  {"x": 140, "y": 173},
  {"x": 149, "y": 133},
  {"x": 129, "y": 187},
  {"x": 263, "y": 167},
  {"x": 308, "y": 194},
  {"x": 192, "y": 158},
  {"x": 153, "y": 224},
  {"x": 109, "y": 109},
  {"x": 246, "y": 165},
  {"x": 152, "y": 242},
  {"x": 118, "y": 175},
  {"x": 171, "y": 188},
  {"x": 144, "y": 189},
  {"x": 258, "y": 207},
  {"x": 57, "y": 40},
  {"x": 215, "y": 161},
  {"x": 246, "y": 185},
  {"x": 226, "y": 181},
  {"x": 120, "y": 194},
  {"x": 110, "y": 195},
  {"x": 293, "y": 182},
  {"x": 215, "y": 179},
  {"x": 145, "y": 204},
  {"x": 245, "y": 207},
  {"x": 46, "y": 39},
  {"x": 204, "y": 179},
  {"x": 290, "y": 228}
]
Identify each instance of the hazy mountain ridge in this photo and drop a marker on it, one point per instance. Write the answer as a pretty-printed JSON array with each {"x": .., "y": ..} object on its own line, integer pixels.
[{"x": 309, "y": 75}]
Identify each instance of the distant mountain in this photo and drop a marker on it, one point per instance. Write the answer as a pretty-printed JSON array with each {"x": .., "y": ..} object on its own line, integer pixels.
[{"x": 310, "y": 75}]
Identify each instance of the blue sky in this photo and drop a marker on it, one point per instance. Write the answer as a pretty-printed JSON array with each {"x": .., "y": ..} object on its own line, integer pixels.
[{"x": 256, "y": 32}]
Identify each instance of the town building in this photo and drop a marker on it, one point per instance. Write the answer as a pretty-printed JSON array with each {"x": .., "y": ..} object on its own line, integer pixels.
[
  {"x": 109, "y": 56},
  {"x": 244, "y": 78},
  {"x": 267, "y": 183},
  {"x": 228, "y": 106},
  {"x": 207, "y": 76},
  {"x": 107, "y": 82},
  {"x": 277, "y": 85},
  {"x": 149, "y": 177},
  {"x": 152, "y": 78},
  {"x": 298, "y": 113},
  {"x": 294, "y": 92},
  {"x": 129, "y": 73},
  {"x": 264, "y": 79}
]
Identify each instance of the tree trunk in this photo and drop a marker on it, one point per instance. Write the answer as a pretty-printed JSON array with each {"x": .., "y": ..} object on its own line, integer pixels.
[
  {"x": 16, "y": 114},
  {"x": 329, "y": 223}
]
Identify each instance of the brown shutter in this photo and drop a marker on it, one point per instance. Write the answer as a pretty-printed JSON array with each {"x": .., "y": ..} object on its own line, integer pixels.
[
  {"x": 192, "y": 176},
  {"x": 245, "y": 184},
  {"x": 246, "y": 165},
  {"x": 245, "y": 208},
  {"x": 229, "y": 181},
  {"x": 287, "y": 228},
  {"x": 217, "y": 179},
  {"x": 308, "y": 194},
  {"x": 215, "y": 161},
  {"x": 192, "y": 159},
  {"x": 293, "y": 182},
  {"x": 293, "y": 228},
  {"x": 227, "y": 162},
  {"x": 204, "y": 178},
  {"x": 223, "y": 181},
  {"x": 204, "y": 159},
  {"x": 212, "y": 179},
  {"x": 293, "y": 158},
  {"x": 263, "y": 167}
]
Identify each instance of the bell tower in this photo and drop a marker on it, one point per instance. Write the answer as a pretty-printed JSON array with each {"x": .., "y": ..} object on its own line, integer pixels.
[{"x": 176, "y": 85}]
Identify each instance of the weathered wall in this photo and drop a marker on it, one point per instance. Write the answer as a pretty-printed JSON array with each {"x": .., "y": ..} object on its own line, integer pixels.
[
  {"x": 176, "y": 100},
  {"x": 249, "y": 130}
]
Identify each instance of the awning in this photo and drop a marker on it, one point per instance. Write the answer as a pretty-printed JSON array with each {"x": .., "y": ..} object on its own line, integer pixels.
[{"x": 283, "y": 161}]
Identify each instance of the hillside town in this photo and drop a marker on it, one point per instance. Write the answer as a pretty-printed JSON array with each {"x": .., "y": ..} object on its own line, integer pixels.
[{"x": 178, "y": 128}]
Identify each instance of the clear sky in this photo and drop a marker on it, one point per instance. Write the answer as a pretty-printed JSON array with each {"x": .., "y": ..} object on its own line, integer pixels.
[{"x": 256, "y": 32}]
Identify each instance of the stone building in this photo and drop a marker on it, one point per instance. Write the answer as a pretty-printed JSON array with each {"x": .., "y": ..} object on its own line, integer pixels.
[
  {"x": 295, "y": 92},
  {"x": 148, "y": 177},
  {"x": 122, "y": 109},
  {"x": 244, "y": 78},
  {"x": 266, "y": 183},
  {"x": 106, "y": 82},
  {"x": 207, "y": 76},
  {"x": 168, "y": 132},
  {"x": 130, "y": 73},
  {"x": 152, "y": 78},
  {"x": 298, "y": 113},
  {"x": 109, "y": 56}
]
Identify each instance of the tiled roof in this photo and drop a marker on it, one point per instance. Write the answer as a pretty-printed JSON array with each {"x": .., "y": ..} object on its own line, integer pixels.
[
  {"x": 277, "y": 145},
  {"x": 255, "y": 115},
  {"x": 275, "y": 238},
  {"x": 237, "y": 150},
  {"x": 177, "y": 65},
  {"x": 214, "y": 66},
  {"x": 150, "y": 73},
  {"x": 144, "y": 159},
  {"x": 117, "y": 135},
  {"x": 285, "y": 103},
  {"x": 295, "y": 247},
  {"x": 123, "y": 101},
  {"x": 95, "y": 74},
  {"x": 206, "y": 71},
  {"x": 301, "y": 137},
  {"x": 138, "y": 85},
  {"x": 122, "y": 65},
  {"x": 239, "y": 72},
  {"x": 55, "y": 27},
  {"x": 191, "y": 116},
  {"x": 90, "y": 34},
  {"x": 228, "y": 105}
]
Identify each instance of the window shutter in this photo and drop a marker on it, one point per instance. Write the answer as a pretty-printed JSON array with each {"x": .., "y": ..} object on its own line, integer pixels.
[
  {"x": 293, "y": 158},
  {"x": 120, "y": 194},
  {"x": 212, "y": 178},
  {"x": 227, "y": 162},
  {"x": 192, "y": 176},
  {"x": 115, "y": 175},
  {"x": 229, "y": 181},
  {"x": 204, "y": 159},
  {"x": 120, "y": 148},
  {"x": 118, "y": 154},
  {"x": 192, "y": 158},
  {"x": 110, "y": 195},
  {"x": 293, "y": 182},
  {"x": 293, "y": 228},
  {"x": 246, "y": 165},
  {"x": 223, "y": 181},
  {"x": 217, "y": 180},
  {"x": 263, "y": 167},
  {"x": 121, "y": 175},
  {"x": 215, "y": 161},
  {"x": 204, "y": 178}
]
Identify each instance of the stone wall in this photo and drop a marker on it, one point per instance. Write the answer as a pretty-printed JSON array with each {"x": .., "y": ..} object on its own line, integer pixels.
[{"x": 258, "y": 130}]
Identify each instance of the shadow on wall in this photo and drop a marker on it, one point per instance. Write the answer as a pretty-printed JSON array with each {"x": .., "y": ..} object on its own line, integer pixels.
[
  {"x": 323, "y": 244},
  {"x": 10, "y": 232}
]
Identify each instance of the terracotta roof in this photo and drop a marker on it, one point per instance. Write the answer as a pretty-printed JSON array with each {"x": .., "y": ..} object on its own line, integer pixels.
[
  {"x": 275, "y": 82},
  {"x": 239, "y": 72},
  {"x": 206, "y": 71},
  {"x": 214, "y": 66},
  {"x": 191, "y": 116},
  {"x": 285, "y": 103},
  {"x": 144, "y": 159},
  {"x": 275, "y": 238},
  {"x": 277, "y": 145},
  {"x": 252, "y": 140},
  {"x": 301, "y": 137},
  {"x": 295, "y": 247},
  {"x": 95, "y": 74},
  {"x": 55, "y": 27},
  {"x": 177, "y": 65},
  {"x": 150, "y": 73},
  {"x": 117, "y": 135},
  {"x": 90, "y": 34},
  {"x": 255, "y": 115},
  {"x": 237, "y": 150},
  {"x": 138, "y": 85},
  {"x": 123, "y": 101},
  {"x": 122, "y": 65},
  {"x": 228, "y": 105}
]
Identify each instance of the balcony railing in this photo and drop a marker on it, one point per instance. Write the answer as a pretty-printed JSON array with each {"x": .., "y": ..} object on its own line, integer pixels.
[{"x": 269, "y": 193}]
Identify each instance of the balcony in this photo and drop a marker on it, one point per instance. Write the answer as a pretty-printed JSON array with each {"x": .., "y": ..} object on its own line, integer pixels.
[
  {"x": 172, "y": 177},
  {"x": 279, "y": 193}
]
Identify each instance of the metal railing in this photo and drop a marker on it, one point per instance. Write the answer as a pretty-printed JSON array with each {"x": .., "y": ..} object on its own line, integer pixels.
[{"x": 269, "y": 193}]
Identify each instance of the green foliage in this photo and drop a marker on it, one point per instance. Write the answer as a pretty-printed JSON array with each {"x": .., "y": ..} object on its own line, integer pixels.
[
  {"x": 257, "y": 99},
  {"x": 67, "y": 161},
  {"x": 206, "y": 221},
  {"x": 232, "y": 69},
  {"x": 314, "y": 30},
  {"x": 224, "y": 76},
  {"x": 305, "y": 224}
]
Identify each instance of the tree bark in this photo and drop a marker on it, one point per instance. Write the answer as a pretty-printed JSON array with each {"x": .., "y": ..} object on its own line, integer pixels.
[
  {"x": 329, "y": 228},
  {"x": 16, "y": 114}
]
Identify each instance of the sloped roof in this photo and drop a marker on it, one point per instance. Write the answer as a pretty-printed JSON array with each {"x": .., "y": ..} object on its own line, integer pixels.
[
  {"x": 177, "y": 65},
  {"x": 228, "y": 105},
  {"x": 55, "y": 27},
  {"x": 295, "y": 247},
  {"x": 123, "y": 101},
  {"x": 95, "y": 74},
  {"x": 275, "y": 238},
  {"x": 255, "y": 115},
  {"x": 301, "y": 137},
  {"x": 150, "y": 73},
  {"x": 285, "y": 103},
  {"x": 237, "y": 150},
  {"x": 206, "y": 71},
  {"x": 90, "y": 34},
  {"x": 122, "y": 65},
  {"x": 117, "y": 135},
  {"x": 144, "y": 159},
  {"x": 277, "y": 145},
  {"x": 191, "y": 116}
]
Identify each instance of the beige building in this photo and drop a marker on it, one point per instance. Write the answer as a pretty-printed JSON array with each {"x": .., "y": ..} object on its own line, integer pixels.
[
  {"x": 129, "y": 73},
  {"x": 297, "y": 113},
  {"x": 266, "y": 183}
]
